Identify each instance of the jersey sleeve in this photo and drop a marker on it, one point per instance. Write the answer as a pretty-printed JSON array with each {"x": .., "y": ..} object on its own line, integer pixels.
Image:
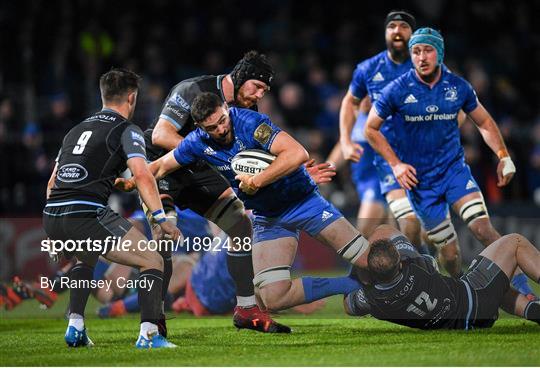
[
  {"x": 385, "y": 104},
  {"x": 186, "y": 152},
  {"x": 176, "y": 111},
  {"x": 404, "y": 247},
  {"x": 357, "y": 303},
  {"x": 471, "y": 100},
  {"x": 260, "y": 132},
  {"x": 132, "y": 142},
  {"x": 358, "y": 83}
]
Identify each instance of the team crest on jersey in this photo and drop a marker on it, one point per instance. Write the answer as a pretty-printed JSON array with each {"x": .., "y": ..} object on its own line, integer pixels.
[
  {"x": 432, "y": 108},
  {"x": 450, "y": 94},
  {"x": 263, "y": 133},
  {"x": 72, "y": 173},
  {"x": 178, "y": 100}
]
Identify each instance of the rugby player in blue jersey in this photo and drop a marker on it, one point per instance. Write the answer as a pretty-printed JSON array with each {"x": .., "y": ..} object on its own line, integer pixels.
[
  {"x": 371, "y": 174},
  {"x": 431, "y": 163},
  {"x": 284, "y": 199}
]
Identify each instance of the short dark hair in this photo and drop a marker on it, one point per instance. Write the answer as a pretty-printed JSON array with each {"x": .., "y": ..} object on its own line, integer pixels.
[
  {"x": 383, "y": 260},
  {"x": 116, "y": 83},
  {"x": 204, "y": 105}
]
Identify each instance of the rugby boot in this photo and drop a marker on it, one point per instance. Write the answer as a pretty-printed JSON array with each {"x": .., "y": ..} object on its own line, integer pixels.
[
  {"x": 153, "y": 342},
  {"x": 75, "y": 338},
  {"x": 254, "y": 318}
]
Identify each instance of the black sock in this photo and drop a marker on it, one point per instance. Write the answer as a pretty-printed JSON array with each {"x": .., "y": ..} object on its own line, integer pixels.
[
  {"x": 150, "y": 300},
  {"x": 167, "y": 273},
  {"x": 78, "y": 296},
  {"x": 532, "y": 312},
  {"x": 240, "y": 267}
]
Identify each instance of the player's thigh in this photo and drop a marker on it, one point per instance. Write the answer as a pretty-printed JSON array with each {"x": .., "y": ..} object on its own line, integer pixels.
[
  {"x": 338, "y": 234},
  {"x": 274, "y": 253},
  {"x": 503, "y": 253},
  {"x": 136, "y": 251}
]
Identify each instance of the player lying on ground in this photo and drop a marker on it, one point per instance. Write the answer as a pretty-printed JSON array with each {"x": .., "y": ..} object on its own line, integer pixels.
[
  {"x": 93, "y": 153},
  {"x": 284, "y": 199},
  {"x": 406, "y": 288}
]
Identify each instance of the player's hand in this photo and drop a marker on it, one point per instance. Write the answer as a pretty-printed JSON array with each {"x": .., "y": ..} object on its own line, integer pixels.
[
  {"x": 352, "y": 151},
  {"x": 170, "y": 231},
  {"x": 125, "y": 185},
  {"x": 405, "y": 175},
  {"x": 246, "y": 184},
  {"x": 505, "y": 171},
  {"x": 320, "y": 173}
]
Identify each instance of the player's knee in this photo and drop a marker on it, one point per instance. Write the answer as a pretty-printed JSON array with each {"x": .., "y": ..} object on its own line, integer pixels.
[
  {"x": 352, "y": 251},
  {"x": 273, "y": 285},
  {"x": 401, "y": 208},
  {"x": 484, "y": 231},
  {"x": 473, "y": 210},
  {"x": 153, "y": 260},
  {"x": 442, "y": 234},
  {"x": 231, "y": 216}
]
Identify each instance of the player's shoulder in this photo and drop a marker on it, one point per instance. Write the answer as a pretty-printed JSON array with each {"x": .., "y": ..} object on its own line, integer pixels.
[
  {"x": 246, "y": 115},
  {"x": 372, "y": 62},
  {"x": 401, "y": 85},
  {"x": 454, "y": 79},
  {"x": 183, "y": 93}
]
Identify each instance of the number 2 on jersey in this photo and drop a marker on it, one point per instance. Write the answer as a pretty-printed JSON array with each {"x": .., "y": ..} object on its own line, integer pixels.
[
  {"x": 81, "y": 143},
  {"x": 422, "y": 298}
]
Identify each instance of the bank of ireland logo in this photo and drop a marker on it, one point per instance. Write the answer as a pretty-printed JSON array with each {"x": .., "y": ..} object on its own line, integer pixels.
[
  {"x": 432, "y": 108},
  {"x": 451, "y": 94}
]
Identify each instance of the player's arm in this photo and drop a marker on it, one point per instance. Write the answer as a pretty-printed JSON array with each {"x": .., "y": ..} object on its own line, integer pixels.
[
  {"x": 165, "y": 135},
  {"x": 164, "y": 166},
  {"x": 50, "y": 183},
  {"x": 404, "y": 173},
  {"x": 290, "y": 155},
  {"x": 347, "y": 116},
  {"x": 148, "y": 191},
  {"x": 492, "y": 136},
  {"x": 356, "y": 304}
]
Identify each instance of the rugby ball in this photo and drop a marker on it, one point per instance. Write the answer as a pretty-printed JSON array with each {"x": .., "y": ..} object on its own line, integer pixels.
[{"x": 251, "y": 162}]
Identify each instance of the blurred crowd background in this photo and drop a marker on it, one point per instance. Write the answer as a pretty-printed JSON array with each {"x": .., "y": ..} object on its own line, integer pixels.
[{"x": 53, "y": 53}]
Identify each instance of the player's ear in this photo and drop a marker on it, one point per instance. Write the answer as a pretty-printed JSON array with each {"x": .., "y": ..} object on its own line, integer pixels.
[{"x": 132, "y": 98}]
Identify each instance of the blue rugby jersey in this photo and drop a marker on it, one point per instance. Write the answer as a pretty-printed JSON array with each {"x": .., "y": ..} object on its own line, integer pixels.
[
  {"x": 369, "y": 78},
  {"x": 252, "y": 130},
  {"x": 428, "y": 132}
]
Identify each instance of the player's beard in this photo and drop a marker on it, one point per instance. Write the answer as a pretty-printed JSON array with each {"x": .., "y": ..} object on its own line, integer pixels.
[{"x": 399, "y": 54}]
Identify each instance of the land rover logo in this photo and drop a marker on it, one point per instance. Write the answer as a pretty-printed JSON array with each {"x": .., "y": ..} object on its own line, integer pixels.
[{"x": 72, "y": 173}]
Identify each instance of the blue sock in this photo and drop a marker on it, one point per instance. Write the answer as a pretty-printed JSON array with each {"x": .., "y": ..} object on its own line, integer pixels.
[
  {"x": 131, "y": 302},
  {"x": 316, "y": 288},
  {"x": 520, "y": 283}
]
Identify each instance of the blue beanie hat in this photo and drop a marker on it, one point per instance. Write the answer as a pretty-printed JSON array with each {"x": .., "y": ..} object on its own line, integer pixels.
[{"x": 431, "y": 37}]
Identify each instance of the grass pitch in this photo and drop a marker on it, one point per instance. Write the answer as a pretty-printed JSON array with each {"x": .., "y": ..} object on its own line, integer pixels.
[{"x": 30, "y": 336}]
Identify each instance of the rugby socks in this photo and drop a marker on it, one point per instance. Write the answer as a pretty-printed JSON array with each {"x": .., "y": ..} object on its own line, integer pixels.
[
  {"x": 240, "y": 265},
  {"x": 78, "y": 296},
  {"x": 316, "y": 288},
  {"x": 148, "y": 328},
  {"x": 521, "y": 284},
  {"x": 167, "y": 273},
  {"x": 532, "y": 311},
  {"x": 76, "y": 320},
  {"x": 150, "y": 297}
]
